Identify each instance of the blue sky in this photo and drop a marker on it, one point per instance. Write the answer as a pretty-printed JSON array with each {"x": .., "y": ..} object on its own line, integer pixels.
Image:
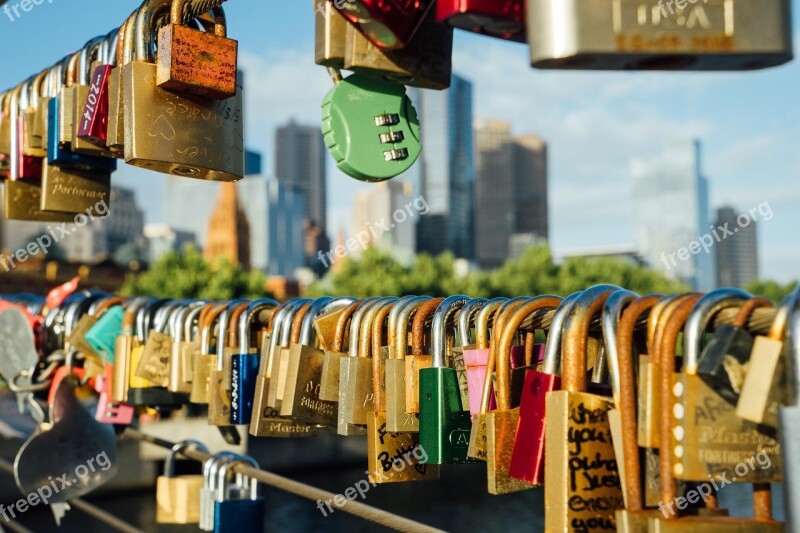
[{"x": 595, "y": 122}]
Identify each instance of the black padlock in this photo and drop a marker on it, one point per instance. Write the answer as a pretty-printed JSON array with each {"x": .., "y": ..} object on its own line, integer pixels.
[{"x": 723, "y": 361}]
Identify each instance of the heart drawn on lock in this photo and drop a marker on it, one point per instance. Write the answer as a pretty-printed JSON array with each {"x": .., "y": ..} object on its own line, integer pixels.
[{"x": 72, "y": 458}]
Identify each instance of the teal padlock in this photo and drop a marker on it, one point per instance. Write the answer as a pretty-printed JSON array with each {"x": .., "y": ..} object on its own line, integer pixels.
[
  {"x": 371, "y": 127},
  {"x": 103, "y": 334}
]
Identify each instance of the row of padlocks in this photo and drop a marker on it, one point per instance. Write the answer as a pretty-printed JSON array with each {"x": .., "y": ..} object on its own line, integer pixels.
[
  {"x": 161, "y": 91},
  {"x": 620, "y": 405}
]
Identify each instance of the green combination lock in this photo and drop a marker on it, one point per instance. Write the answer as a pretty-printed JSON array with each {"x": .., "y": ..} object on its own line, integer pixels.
[
  {"x": 370, "y": 127},
  {"x": 444, "y": 422}
]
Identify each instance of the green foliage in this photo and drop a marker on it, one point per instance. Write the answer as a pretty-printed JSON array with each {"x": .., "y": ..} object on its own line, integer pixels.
[
  {"x": 771, "y": 290},
  {"x": 186, "y": 274},
  {"x": 377, "y": 273}
]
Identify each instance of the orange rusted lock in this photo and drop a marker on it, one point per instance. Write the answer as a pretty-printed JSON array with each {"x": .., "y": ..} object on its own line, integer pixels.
[{"x": 197, "y": 62}]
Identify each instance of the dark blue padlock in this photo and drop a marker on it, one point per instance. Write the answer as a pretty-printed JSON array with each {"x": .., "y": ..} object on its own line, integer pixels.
[
  {"x": 245, "y": 365},
  {"x": 238, "y": 508},
  {"x": 60, "y": 155}
]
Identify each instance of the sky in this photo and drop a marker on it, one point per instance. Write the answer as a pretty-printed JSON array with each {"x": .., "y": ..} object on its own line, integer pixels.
[{"x": 594, "y": 122}]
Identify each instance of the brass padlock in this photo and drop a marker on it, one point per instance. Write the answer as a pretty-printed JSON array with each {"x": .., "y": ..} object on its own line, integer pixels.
[
  {"x": 204, "y": 359},
  {"x": 195, "y": 62},
  {"x": 124, "y": 345},
  {"x": 418, "y": 360},
  {"x": 178, "y": 497},
  {"x": 154, "y": 366},
  {"x": 329, "y": 382},
  {"x": 290, "y": 333},
  {"x": 663, "y": 35},
  {"x": 116, "y": 93},
  {"x": 172, "y": 133},
  {"x": 180, "y": 361}
]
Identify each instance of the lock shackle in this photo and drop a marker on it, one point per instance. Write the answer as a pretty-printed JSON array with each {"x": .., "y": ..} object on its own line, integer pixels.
[
  {"x": 145, "y": 27},
  {"x": 288, "y": 320},
  {"x": 422, "y": 315},
  {"x": 225, "y": 469},
  {"x": 277, "y": 327},
  {"x": 249, "y": 317},
  {"x": 124, "y": 51},
  {"x": 500, "y": 353},
  {"x": 343, "y": 326},
  {"x": 507, "y": 307},
  {"x": 131, "y": 312},
  {"x": 778, "y": 327},
  {"x": 146, "y": 319},
  {"x": 661, "y": 321},
  {"x": 24, "y": 101},
  {"x": 380, "y": 322},
  {"x": 404, "y": 315},
  {"x": 297, "y": 322},
  {"x": 79, "y": 307},
  {"x": 552, "y": 348},
  {"x": 612, "y": 311},
  {"x": 466, "y": 319},
  {"x": 232, "y": 333},
  {"x": 337, "y": 304},
  {"x": 484, "y": 319},
  {"x": 626, "y": 403},
  {"x": 574, "y": 346},
  {"x": 446, "y": 313},
  {"x": 180, "y": 325},
  {"x": 98, "y": 308},
  {"x": 36, "y": 87},
  {"x": 705, "y": 309},
  {"x": 91, "y": 48},
  {"x": 169, "y": 462},
  {"x": 208, "y": 329},
  {"x": 162, "y": 321},
  {"x": 307, "y": 333},
  {"x": 224, "y": 323},
  {"x": 669, "y": 339},
  {"x": 178, "y": 11},
  {"x": 71, "y": 75},
  {"x": 383, "y": 321},
  {"x": 394, "y": 314},
  {"x": 355, "y": 324},
  {"x": 108, "y": 55},
  {"x": 365, "y": 332},
  {"x": 212, "y": 465},
  {"x": 652, "y": 322}
]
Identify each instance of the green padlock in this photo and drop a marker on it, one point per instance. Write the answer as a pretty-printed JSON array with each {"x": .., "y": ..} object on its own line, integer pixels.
[
  {"x": 370, "y": 127},
  {"x": 444, "y": 422},
  {"x": 102, "y": 336}
]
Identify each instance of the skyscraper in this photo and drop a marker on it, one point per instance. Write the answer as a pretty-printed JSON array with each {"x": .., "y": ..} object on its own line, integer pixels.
[
  {"x": 384, "y": 206},
  {"x": 670, "y": 198},
  {"x": 447, "y": 171},
  {"x": 510, "y": 192},
  {"x": 300, "y": 161},
  {"x": 737, "y": 255}
]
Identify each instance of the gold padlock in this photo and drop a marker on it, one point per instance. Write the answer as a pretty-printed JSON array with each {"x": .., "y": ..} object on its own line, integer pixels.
[
  {"x": 178, "y": 497},
  {"x": 204, "y": 359}
]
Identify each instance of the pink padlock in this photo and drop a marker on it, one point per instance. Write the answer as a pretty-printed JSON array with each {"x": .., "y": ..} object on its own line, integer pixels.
[{"x": 109, "y": 412}]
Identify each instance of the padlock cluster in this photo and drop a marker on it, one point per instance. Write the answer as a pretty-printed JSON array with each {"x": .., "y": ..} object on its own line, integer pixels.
[
  {"x": 176, "y": 111},
  {"x": 370, "y": 124},
  {"x": 580, "y": 394}
]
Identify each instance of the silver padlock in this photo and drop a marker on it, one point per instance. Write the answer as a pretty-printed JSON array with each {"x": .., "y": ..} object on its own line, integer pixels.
[
  {"x": 789, "y": 419},
  {"x": 659, "y": 34}
]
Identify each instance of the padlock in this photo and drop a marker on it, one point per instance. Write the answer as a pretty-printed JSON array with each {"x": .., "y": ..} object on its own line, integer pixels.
[
  {"x": 301, "y": 400},
  {"x": 154, "y": 366},
  {"x": 789, "y": 419},
  {"x": 22, "y": 166},
  {"x": 763, "y": 391},
  {"x": 184, "y": 343},
  {"x": 239, "y": 508},
  {"x": 384, "y": 332},
  {"x": 124, "y": 345},
  {"x": 387, "y": 23},
  {"x": 90, "y": 106},
  {"x": 115, "y": 132},
  {"x": 219, "y": 400},
  {"x": 208, "y": 492},
  {"x": 397, "y": 419},
  {"x": 33, "y": 144},
  {"x": 628, "y": 35},
  {"x": 502, "y": 19},
  {"x": 391, "y": 456},
  {"x": 418, "y": 358},
  {"x": 444, "y": 424},
  {"x": 204, "y": 359},
  {"x": 292, "y": 321},
  {"x": 579, "y": 419},
  {"x": 245, "y": 363},
  {"x": 329, "y": 381},
  {"x": 466, "y": 323},
  {"x": 78, "y": 338},
  {"x": 667, "y": 520},
  {"x": 196, "y": 62},
  {"x": 502, "y": 423},
  {"x": 102, "y": 335},
  {"x": 359, "y": 396},
  {"x": 724, "y": 361},
  {"x": 178, "y": 497},
  {"x": 108, "y": 411},
  {"x": 172, "y": 133},
  {"x": 370, "y": 127},
  {"x": 356, "y": 324}
]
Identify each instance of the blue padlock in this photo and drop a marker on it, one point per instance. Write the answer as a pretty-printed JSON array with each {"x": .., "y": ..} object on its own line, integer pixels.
[
  {"x": 60, "y": 155},
  {"x": 238, "y": 508},
  {"x": 245, "y": 365}
]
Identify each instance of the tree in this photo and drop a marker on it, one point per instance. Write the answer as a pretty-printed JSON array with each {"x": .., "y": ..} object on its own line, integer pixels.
[
  {"x": 186, "y": 274},
  {"x": 771, "y": 290}
]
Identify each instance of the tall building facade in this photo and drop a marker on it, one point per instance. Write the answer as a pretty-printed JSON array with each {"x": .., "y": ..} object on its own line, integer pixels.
[
  {"x": 447, "y": 170},
  {"x": 670, "y": 198},
  {"x": 510, "y": 192},
  {"x": 300, "y": 161},
  {"x": 737, "y": 255},
  {"x": 387, "y": 205},
  {"x": 228, "y": 230}
]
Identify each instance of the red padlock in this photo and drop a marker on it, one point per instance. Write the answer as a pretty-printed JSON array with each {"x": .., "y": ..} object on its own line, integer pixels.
[
  {"x": 93, "y": 127},
  {"x": 504, "y": 19},
  {"x": 390, "y": 24}
]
